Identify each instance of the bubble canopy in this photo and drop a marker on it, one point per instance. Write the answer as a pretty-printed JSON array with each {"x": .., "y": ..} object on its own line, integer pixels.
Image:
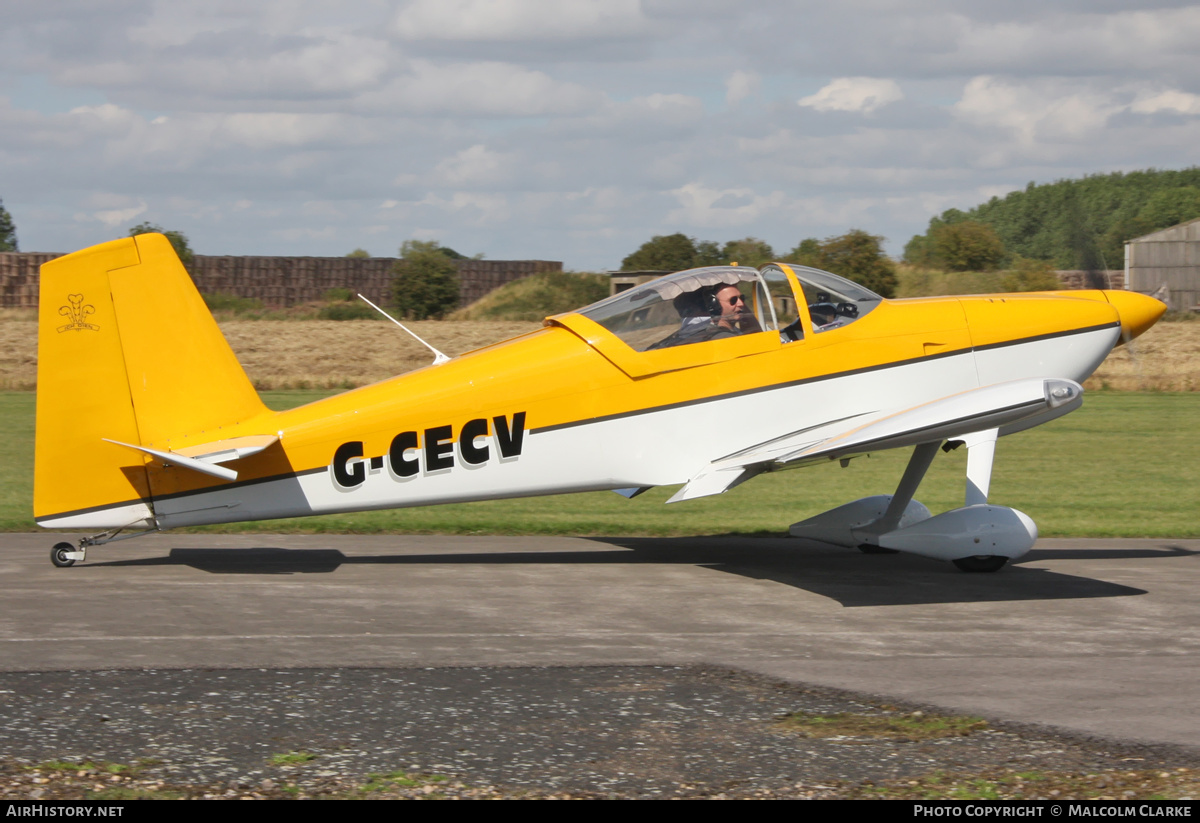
[{"x": 686, "y": 308}]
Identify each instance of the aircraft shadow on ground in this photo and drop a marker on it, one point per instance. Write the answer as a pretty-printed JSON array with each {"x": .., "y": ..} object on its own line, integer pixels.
[{"x": 844, "y": 575}]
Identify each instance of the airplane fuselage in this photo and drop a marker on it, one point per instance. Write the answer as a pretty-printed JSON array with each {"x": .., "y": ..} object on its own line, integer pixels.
[{"x": 557, "y": 410}]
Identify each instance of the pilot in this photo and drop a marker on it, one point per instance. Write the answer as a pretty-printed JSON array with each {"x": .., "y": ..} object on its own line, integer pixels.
[
  {"x": 711, "y": 313},
  {"x": 726, "y": 308},
  {"x": 734, "y": 317}
]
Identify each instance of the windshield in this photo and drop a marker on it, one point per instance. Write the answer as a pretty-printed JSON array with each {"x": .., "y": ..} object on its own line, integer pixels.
[
  {"x": 692, "y": 306},
  {"x": 833, "y": 301}
]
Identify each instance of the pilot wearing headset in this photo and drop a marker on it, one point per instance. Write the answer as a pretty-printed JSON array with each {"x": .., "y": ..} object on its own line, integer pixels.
[
  {"x": 711, "y": 313},
  {"x": 729, "y": 313}
]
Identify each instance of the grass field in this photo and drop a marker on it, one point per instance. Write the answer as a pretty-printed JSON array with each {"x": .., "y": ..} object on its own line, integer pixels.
[{"x": 1125, "y": 465}]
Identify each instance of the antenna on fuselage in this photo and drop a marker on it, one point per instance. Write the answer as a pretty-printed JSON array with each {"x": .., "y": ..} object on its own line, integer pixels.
[{"x": 438, "y": 357}]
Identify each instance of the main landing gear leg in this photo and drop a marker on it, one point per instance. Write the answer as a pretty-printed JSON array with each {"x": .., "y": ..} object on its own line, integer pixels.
[
  {"x": 914, "y": 473},
  {"x": 981, "y": 453},
  {"x": 978, "y": 537}
]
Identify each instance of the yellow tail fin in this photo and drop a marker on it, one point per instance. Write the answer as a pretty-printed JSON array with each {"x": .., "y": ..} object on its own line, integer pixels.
[{"x": 127, "y": 351}]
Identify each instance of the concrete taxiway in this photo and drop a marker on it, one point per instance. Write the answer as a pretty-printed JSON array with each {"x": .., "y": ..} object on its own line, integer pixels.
[{"x": 1095, "y": 636}]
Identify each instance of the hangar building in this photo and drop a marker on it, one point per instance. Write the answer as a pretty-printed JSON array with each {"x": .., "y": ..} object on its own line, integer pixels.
[{"x": 1166, "y": 264}]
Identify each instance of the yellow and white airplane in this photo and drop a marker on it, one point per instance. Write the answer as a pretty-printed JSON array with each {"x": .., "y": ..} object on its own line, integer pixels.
[{"x": 708, "y": 377}]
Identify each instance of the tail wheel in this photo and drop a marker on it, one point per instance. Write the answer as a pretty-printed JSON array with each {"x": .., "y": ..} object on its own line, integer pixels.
[
  {"x": 60, "y": 555},
  {"x": 981, "y": 563}
]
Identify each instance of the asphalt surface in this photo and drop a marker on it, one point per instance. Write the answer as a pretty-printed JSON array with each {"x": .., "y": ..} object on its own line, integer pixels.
[
  {"x": 607, "y": 731},
  {"x": 1096, "y": 637}
]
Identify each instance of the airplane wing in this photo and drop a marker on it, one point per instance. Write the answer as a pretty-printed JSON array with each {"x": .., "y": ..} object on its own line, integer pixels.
[{"x": 1009, "y": 407}]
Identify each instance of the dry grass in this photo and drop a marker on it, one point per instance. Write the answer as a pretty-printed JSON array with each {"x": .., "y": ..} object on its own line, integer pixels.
[
  {"x": 328, "y": 354},
  {"x": 331, "y": 354},
  {"x": 1167, "y": 359},
  {"x": 18, "y": 349},
  {"x": 301, "y": 354}
]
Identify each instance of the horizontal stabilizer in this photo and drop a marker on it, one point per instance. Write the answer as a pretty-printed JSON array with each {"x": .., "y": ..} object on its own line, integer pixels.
[
  {"x": 235, "y": 448},
  {"x": 204, "y": 457}
]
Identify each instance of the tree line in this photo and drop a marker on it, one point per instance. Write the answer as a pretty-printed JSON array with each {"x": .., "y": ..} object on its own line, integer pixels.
[
  {"x": 1069, "y": 224},
  {"x": 856, "y": 255},
  {"x": 8, "y": 231}
]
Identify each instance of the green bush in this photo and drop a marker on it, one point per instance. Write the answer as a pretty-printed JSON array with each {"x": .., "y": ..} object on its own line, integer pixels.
[
  {"x": 855, "y": 255},
  {"x": 8, "y": 231},
  {"x": 966, "y": 246},
  {"x": 1025, "y": 275},
  {"x": 231, "y": 303},
  {"x": 178, "y": 240},
  {"x": 349, "y": 311},
  {"x": 537, "y": 296},
  {"x": 1031, "y": 275},
  {"x": 426, "y": 282}
]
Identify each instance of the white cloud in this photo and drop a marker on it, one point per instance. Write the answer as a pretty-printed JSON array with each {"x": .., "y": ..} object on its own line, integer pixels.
[
  {"x": 700, "y": 205},
  {"x": 486, "y": 89},
  {"x": 669, "y": 103},
  {"x": 519, "y": 20},
  {"x": 475, "y": 166},
  {"x": 740, "y": 85},
  {"x": 1048, "y": 110},
  {"x": 116, "y": 217},
  {"x": 1089, "y": 40},
  {"x": 475, "y": 208},
  {"x": 106, "y": 114},
  {"x": 262, "y": 130},
  {"x": 293, "y": 68},
  {"x": 293, "y": 235},
  {"x": 642, "y": 114},
  {"x": 862, "y": 94},
  {"x": 1178, "y": 101},
  {"x": 175, "y": 24}
]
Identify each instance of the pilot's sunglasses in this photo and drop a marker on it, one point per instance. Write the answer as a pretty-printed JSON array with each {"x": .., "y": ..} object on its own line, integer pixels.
[{"x": 736, "y": 298}]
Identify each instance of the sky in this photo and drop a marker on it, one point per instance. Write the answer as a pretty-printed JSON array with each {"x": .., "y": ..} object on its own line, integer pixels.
[{"x": 569, "y": 130}]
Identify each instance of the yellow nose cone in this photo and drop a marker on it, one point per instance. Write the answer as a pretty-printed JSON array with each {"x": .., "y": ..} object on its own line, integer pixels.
[{"x": 1138, "y": 312}]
